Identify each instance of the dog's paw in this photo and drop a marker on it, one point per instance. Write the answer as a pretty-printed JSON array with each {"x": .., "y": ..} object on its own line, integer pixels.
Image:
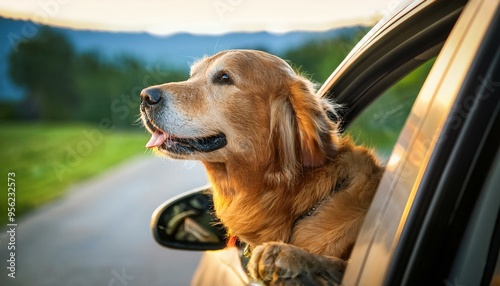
[{"x": 278, "y": 263}]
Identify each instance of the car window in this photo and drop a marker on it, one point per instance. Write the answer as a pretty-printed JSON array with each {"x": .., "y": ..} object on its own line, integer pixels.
[{"x": 379, "y": 125}]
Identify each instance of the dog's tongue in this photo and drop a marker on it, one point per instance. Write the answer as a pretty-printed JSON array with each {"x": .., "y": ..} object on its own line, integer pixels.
[{"x": 157, "y": 139}]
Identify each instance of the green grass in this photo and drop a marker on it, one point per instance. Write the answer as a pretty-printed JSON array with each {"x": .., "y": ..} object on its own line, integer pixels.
[{"x": 48, "y": 158}]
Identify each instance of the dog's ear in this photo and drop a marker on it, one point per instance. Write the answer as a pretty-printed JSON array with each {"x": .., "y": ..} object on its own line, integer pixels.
[
  {"x": 314, "y": 127},
  {"x": 285, "y": 145},
  {"x": 301, "y": 130}
]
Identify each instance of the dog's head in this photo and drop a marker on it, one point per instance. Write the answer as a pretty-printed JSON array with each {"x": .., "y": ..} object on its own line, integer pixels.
[{"x": 245, "y": 107}]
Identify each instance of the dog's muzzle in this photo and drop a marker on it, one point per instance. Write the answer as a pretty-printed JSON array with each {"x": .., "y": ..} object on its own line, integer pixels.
[{"x": 151, "y": 99}]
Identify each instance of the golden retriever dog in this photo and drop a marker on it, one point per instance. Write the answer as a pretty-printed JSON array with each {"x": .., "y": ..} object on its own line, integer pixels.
[{"x": 283, "y": 179}]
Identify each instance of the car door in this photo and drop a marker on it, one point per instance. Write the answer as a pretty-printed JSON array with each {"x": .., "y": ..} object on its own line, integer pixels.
[{"x": 440, "y": 166}]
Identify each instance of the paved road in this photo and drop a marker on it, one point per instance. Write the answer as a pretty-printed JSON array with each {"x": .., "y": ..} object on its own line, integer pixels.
[{"x": 99, "y": 234}]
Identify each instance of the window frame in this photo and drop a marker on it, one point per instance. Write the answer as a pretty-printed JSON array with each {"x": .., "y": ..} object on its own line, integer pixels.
[{"x": 391, "y": 50}]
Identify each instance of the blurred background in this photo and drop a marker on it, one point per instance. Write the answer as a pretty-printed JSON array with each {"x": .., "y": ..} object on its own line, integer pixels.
[{"x": 70, "y": 77}]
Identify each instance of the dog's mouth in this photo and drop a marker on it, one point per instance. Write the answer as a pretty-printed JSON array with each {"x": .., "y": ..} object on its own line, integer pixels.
[{"x": 185, "y": 146}]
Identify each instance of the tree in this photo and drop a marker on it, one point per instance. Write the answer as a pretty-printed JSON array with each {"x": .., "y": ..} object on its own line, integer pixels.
[{"x": 43, "y": 66}]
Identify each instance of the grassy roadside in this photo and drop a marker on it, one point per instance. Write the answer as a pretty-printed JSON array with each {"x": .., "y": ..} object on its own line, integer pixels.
[{"x": 48, "y": 158}]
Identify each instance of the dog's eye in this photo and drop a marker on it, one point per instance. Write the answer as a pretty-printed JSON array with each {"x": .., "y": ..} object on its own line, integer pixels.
[{"x": 222, "y": 78}]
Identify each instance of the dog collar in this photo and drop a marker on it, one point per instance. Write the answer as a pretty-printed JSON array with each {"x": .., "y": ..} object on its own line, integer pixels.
[{"x": 339, "y": 185}]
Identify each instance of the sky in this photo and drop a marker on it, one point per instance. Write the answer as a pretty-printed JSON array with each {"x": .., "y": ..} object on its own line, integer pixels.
[{"x": 163, "y": 17}]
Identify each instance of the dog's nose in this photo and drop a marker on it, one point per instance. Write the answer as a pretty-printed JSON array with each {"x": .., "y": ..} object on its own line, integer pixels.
[{"x": 151, "y": 96}]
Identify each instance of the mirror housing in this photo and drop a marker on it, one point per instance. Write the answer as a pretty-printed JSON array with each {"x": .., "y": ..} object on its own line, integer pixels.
[{"x": 187, "y": 222}]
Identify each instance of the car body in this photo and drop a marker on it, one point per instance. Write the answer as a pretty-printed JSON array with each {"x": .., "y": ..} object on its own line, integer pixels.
[
  {"x": 435, "y": 217},
  {"x": 417, "y": 229}
]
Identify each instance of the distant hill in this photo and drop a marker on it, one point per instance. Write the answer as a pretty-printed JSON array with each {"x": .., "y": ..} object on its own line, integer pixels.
[
  {"x": 177, "y": 51},
  {"x": 182, "y": 49}
]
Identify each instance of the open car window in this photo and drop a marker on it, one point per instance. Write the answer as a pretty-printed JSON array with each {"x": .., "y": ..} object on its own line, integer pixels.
[{"x": 379, "y": 124}]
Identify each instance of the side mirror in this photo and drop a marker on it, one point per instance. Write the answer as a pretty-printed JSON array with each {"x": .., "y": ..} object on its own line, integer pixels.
[{"x": 188, "y": 222}]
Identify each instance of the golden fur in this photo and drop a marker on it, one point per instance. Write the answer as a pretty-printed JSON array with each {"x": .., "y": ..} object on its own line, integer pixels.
[{"x": 283, "y": 157}]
